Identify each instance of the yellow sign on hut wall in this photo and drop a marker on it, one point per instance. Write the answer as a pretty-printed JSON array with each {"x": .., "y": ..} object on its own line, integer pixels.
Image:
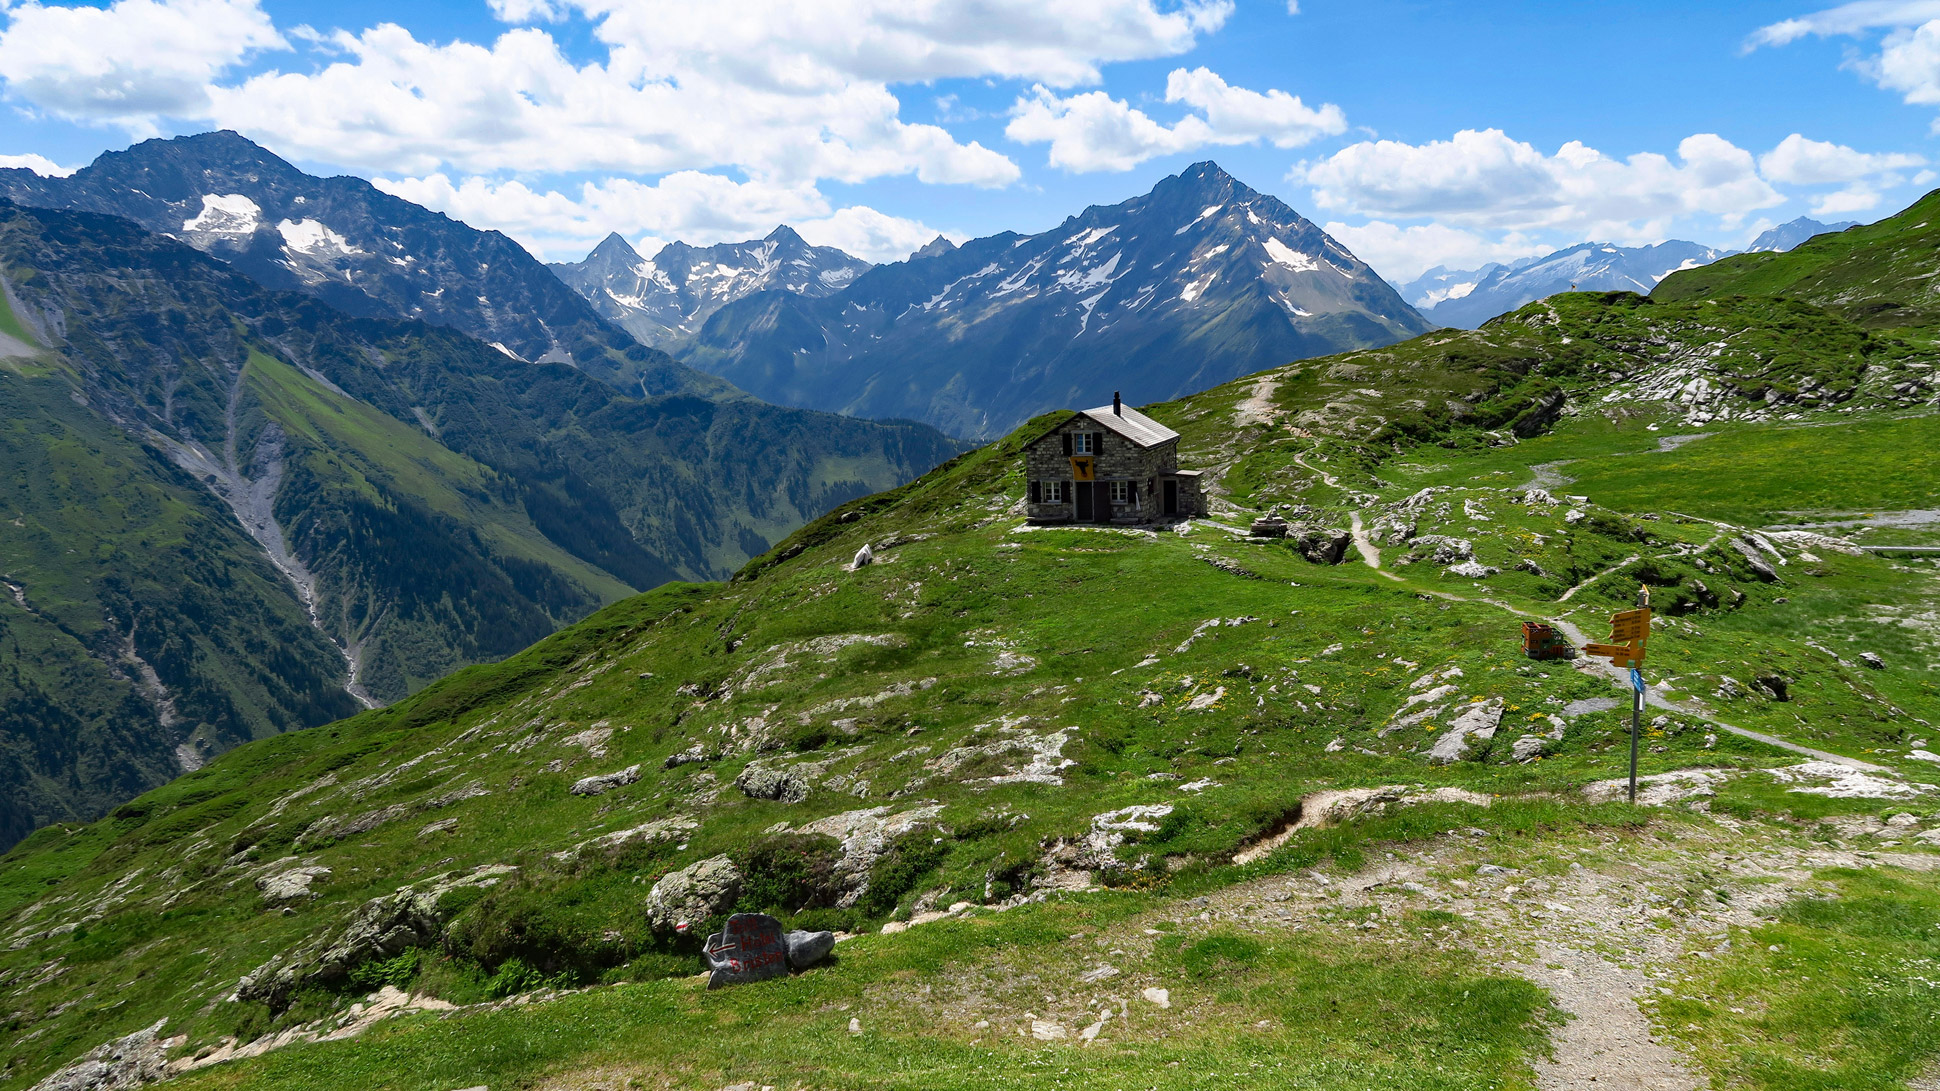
[{"x": 1084, "y": 469}]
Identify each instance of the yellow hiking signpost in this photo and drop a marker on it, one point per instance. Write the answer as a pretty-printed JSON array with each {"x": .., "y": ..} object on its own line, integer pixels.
[{"x": 1629, "y": 632}]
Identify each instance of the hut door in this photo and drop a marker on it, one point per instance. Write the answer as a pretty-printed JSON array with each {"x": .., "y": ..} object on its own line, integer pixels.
[
  {"x": 1101, "y": 501},
  {"x": 1172, "y": 498},
  {"x": 1084, "y": 501}
]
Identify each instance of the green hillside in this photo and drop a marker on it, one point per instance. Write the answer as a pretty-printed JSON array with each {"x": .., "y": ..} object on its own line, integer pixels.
[
  {"x": 1877, "y": 275},
  {"x": 1089, "y": 763},
  {"x": 235, "y": 512},
  {"x": 143, "y": 630}
]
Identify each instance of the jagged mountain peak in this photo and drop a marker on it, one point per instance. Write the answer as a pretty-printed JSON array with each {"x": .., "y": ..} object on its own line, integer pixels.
[
  {"x": 1790, "y": 234},
  {"x": 614, "y": 247},
  {"x": 342, "y": 240},
  {"x": 666, "y": 298},
  {"x": 936, "y": 247},
  {"x": 1200, "y": 279}
]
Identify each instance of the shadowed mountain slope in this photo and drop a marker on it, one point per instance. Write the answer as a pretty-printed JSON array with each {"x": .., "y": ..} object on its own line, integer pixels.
[{"x": 236, "y": 511}]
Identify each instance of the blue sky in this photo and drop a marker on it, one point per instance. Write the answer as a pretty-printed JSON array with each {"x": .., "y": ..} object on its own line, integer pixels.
[{"x": 1420, "y": 132}]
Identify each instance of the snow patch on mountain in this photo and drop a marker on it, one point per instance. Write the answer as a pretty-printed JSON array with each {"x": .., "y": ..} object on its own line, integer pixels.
[
  {"x": 312, "y": 238},
  {"x": 227, "y": 214},
  {"x": 1282, "y": 254}
]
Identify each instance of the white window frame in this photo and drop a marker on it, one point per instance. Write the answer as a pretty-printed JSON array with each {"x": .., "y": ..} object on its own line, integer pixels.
[
  {"x": 1121, "y": 492},
  {"x": 1052, "y": 492},
  {"x": 1081, "y": 443}
]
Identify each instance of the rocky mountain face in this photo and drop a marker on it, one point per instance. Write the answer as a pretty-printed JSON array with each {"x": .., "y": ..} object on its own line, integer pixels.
[
  {"x": 666, "y": 298},
  {"x": 1469, "y": 298},
  {"x": 231, "y": 512},
  {"x": 1198, "y": 281},
  {"x": 1788, "y": 235},
  {"x": 353, "y": 246}
]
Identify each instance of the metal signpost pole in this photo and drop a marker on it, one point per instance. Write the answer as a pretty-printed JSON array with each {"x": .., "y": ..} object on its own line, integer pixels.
[
  {"x": 1636, "y": 725},
  {"x": 1637, "y": 693}
]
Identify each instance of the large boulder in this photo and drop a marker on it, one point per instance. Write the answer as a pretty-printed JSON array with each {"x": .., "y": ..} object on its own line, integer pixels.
[
  {"x": 805, "y": 949},
  {"x": 1321, "y": 545},
  {"x": 691, "y": 895}
]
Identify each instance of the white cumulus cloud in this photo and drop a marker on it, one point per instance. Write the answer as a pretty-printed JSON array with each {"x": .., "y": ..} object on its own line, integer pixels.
[
  {"x": 133, "y": 61},
  {"x": 1402, "y": 253},
  {"x": 1484, "y": 179},
  {"x": 1801, "y": 161},
  {"x": 1908, "y": 58},
  {"x": 872, "y": 235},
  {"x": 692, "y": 206},
  {"x": 39, "y": 164},
  {"x": 789, "y": 90},
  {"x": 1092, "y": 131}
]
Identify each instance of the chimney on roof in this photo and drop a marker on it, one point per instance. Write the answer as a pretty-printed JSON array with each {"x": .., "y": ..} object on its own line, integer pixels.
[{"x": 1116, "y": 411}]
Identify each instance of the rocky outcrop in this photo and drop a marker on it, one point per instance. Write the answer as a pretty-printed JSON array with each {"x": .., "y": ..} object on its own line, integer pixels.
[
  {"x": 128, "y": 1062},
  {"x": 1319, "y": 545},
  {"x": 412, "y": 916},
  {"x": 290, "y": 885},
  {"x": 865, "y": 836},
  {"x": 691, "y": 895},
  {"x": 600, "y": 785},
  {"x": 1478, "y": 721},
  {"x": 768, "y": 782}
]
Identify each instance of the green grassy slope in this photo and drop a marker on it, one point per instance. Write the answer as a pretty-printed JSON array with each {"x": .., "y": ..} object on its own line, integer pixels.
[
  {"x": 970, "y": 648},
  {"x": 1876, "y": 275}
]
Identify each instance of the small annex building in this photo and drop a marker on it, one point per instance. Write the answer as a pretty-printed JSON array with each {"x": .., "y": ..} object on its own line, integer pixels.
[{"x": 1112, "y": 464}]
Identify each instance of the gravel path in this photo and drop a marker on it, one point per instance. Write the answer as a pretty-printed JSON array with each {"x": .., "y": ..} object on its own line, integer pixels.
[
  {"x": 1258, "y": 406},
  {"x": 1607, "y": 1045}
]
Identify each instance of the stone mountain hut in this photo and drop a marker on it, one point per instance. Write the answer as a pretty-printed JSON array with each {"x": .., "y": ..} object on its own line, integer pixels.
[{"x": 1112, "y": 464}]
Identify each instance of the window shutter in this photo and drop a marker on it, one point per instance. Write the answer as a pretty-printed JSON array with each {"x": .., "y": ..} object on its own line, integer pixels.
[
  {"x": 1131, "y": 492},
  {"x": 1035, "y": 492},
  {"x": 1067, "y": 443},
  {"x": 1098, "y": 443}
]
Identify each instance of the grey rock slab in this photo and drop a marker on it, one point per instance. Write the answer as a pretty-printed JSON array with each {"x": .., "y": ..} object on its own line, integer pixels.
[
  {"x": 600, "y": 785},
  {"x": 805, "y": 949},
  {"x": 127, "y": 1062}
]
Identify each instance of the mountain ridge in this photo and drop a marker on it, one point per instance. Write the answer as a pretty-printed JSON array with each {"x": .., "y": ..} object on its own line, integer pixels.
[
  {"x": 1466, "y": 299},
  {"x": 363, "y": 251},
  {"x": 1196, "y": 281},
  {"x": 666, "y": 298}
]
